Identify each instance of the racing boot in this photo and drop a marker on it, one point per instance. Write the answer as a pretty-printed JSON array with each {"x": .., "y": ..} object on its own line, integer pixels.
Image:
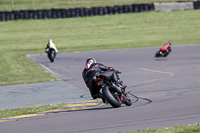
[
  {"x": 99, "y": 95},
  {"x": 103, "y": 99}
]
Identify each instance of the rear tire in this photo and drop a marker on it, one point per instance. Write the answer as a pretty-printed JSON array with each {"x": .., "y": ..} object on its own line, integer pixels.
[
  {"x": 113, "y": 101},
  {"x": 166, "y": 54}
]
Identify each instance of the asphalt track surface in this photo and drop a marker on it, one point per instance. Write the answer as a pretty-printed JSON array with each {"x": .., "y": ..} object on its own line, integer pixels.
[{"x": 165, "y": 92}]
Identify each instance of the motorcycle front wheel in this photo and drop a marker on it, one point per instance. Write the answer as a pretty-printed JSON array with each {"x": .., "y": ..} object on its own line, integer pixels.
[
  {"x": 128, "y": 101},
  {"x": 112, "y": 99},
  {"x": 51, "y": 55},
  {"x": 158, "y": 54}
]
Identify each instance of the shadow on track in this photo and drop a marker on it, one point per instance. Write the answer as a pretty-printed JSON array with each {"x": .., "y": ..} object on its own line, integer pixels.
[
  {"x": 103, "y": 106},
  {"x": 161, "y": 59}
]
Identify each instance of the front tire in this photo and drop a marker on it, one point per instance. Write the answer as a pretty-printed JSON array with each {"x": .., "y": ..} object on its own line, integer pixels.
[
  {"x": 128, "y": 101},
  {"x": 113, "y": 101},
  {"x": 158, "y": 54},
  {"x": 51, "y": 55}
]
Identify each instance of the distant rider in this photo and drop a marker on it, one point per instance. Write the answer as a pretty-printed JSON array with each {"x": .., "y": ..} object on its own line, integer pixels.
[
  {"x": 51, "y": 45},
  {"x": 166, "y": 47},
  {"x": 92, "y": 70}
]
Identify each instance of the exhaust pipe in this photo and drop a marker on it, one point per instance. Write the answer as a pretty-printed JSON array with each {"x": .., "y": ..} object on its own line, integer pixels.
[{"x": 118, "y": 89}]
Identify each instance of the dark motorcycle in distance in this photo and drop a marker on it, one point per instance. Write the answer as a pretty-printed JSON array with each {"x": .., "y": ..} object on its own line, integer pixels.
[
  {"x": 112, "y": 94},
  {"x": 51, "y": 53},
  {"x": 160, "y": 53}
]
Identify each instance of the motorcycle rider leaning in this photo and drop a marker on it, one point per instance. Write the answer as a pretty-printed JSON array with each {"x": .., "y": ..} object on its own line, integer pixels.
[
  {"x": 50, "y": 44},
  {"x": 93, "y": 70},
  {"x": 166, "y": 47}
]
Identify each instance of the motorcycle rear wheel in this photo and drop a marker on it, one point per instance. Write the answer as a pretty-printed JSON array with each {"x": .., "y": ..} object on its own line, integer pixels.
[{"x": 113, "y": 101}]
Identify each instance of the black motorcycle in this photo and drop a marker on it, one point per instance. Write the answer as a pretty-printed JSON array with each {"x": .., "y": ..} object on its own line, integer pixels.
[
  {"x": 51, "y": 53},
  {"x": 112, "y": 94},
  {"x": 160, "y": 53}
]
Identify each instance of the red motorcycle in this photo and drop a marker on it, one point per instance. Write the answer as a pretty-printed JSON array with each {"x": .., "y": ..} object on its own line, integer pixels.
[{"x": 164, "y": 51}]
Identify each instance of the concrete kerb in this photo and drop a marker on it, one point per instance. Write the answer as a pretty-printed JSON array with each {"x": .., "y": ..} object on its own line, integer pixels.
[
  {"x": 23, "y": 95},
  {"x": 69, "y": 107}
]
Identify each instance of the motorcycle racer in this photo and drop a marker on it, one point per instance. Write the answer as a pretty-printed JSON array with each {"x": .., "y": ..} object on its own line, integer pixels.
[
  {"x": 51, "y": 45},
  {"x": 93, "y": 70},
  {"x": 166, "y": 47}
]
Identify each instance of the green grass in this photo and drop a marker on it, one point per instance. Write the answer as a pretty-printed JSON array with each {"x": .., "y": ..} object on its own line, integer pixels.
[
  {"x": 178, "y": 129},
  {"x": 19, "y": 38},
  {"x": 28, "y": 110},
  {"x": 6, "y": 5}
]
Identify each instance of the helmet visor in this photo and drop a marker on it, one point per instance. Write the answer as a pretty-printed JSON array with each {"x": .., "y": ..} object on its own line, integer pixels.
[{"x": 88, "y": 64}]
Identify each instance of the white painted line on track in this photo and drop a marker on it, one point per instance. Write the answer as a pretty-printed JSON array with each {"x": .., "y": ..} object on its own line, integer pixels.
[
  {"x": 157, "y": 79},
  {"x": 171, "y": 74}
]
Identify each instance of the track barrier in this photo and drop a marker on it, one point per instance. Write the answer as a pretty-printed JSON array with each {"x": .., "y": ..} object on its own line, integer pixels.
[
  {"x": 73, "y": 12},
  {"x": 78, "y": 12}
]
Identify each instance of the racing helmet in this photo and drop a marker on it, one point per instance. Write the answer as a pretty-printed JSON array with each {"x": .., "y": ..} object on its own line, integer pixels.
[
  {"x": 169, "y": 42},
  {"x": 50, "y": 40},
  {"x": 89, "y": 62}
]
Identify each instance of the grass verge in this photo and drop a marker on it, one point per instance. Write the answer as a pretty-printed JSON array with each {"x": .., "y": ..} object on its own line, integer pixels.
[
  {"x": 28, "y": 110},
  {"x": 19, "y": 38},
  {"x": 178, "y": 129}
]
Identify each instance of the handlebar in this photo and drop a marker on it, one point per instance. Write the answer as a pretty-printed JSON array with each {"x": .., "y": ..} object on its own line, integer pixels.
[{"x": 118, "y": 72}]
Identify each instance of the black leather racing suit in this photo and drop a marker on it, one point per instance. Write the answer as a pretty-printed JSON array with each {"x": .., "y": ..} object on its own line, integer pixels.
[{"x": 94, "y": 70}]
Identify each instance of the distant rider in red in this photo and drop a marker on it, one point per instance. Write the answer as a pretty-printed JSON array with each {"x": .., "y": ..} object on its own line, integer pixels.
[{"x": 166, "y": 47}]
